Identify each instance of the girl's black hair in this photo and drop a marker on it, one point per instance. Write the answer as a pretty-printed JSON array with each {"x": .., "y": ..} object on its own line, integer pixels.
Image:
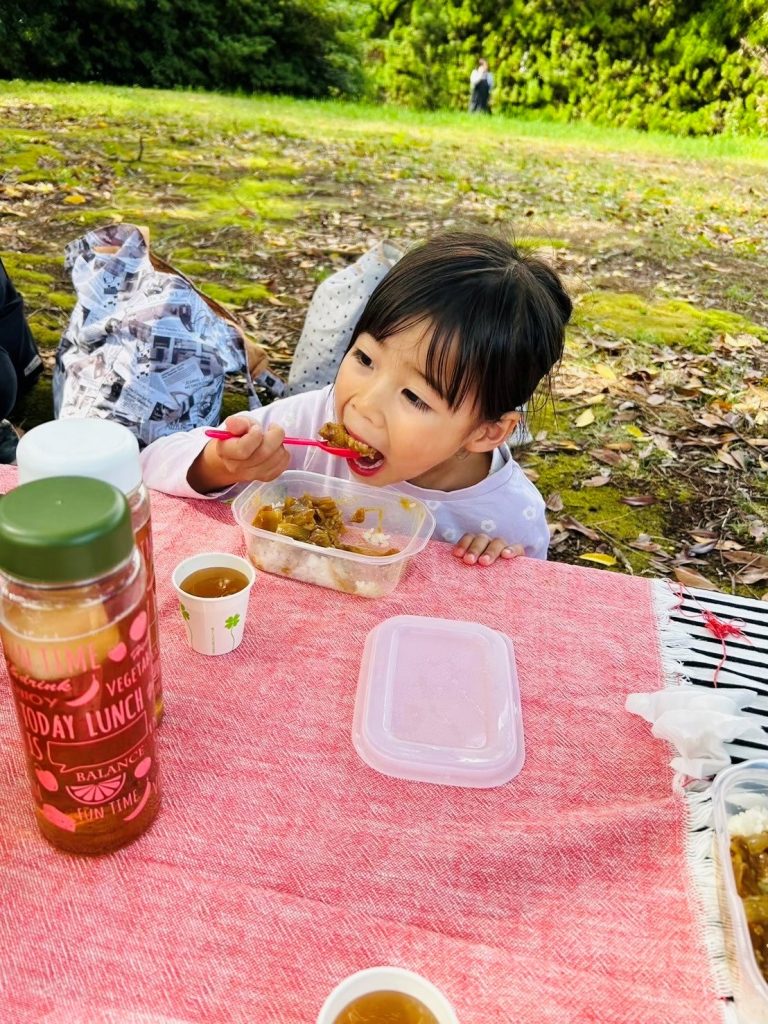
[{"x": 498, "y": 318}]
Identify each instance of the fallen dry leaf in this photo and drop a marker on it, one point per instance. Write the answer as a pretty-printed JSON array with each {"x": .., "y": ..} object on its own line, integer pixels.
[
  {"x": 75, "y": 199},
  {"x": 639, "y": 500},
  {"x": 735, "y": 459},
  {"x": 644, "y": 543},
  {"x": 689, "y": 578},
  {"x": 558, "y": 446},
  {"x": 729, "y": 545},
  {"x": 610, "y": 458},
  {"x": 758, "y": 529},
  {"x": 636, "y": 432},
  {"x": 596, "y": 481},
  {"x": 708, "y": 420},
  {"x": 558, "y": 540},
  {"x": 599, "y": 557},
  {"x": 702, "y": 535},
  {"x": 750, "y": 576},
  {"x": 555, "y": 503},
  {"x": 585, "y": 419},
  {"x": 573, "y": 524},
  {"x": 750, "y": 558},
  {"x": 605, "y": 372},
  {"x": 609, "y": 346},
  {"x": 703, "y": 548}
]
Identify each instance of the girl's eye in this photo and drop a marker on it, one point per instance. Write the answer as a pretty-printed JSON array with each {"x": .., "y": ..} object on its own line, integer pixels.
[
  {"x": 362, "y": 358},
  {"x": 415, "y": 401}
]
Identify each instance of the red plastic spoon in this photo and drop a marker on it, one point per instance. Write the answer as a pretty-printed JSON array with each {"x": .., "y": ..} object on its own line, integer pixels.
[{"x": 304, "y": 442}]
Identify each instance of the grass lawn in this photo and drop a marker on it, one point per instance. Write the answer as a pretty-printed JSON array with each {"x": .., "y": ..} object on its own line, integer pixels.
[{"x": 654, "y": 452}]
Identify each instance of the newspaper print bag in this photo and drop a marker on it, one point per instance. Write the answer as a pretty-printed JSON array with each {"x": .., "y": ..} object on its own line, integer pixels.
[{"x": 143, "y": 346}]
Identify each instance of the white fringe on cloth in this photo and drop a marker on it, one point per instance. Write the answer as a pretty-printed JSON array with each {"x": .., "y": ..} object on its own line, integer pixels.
[
  {"x": 699, "y": 834},
  {"x": 674, "y": 641}
]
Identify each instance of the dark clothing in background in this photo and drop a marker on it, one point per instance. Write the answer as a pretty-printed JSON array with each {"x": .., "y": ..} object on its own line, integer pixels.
[
  {"x": 480, "y": 98},
  {"x": 20, "y": 363}
]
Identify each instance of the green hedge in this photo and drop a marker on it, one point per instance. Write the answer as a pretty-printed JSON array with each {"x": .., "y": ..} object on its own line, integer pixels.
[
  {"x": 302, "y": 47},
  {"x": 676, "y": 65}
]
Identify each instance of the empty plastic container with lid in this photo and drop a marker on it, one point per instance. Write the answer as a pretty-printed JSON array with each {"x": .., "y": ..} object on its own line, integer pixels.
[
  {"x": 438, "y": 701},
  {"x": 106, "y": 451},
  {"x": 73, "y": 619}
]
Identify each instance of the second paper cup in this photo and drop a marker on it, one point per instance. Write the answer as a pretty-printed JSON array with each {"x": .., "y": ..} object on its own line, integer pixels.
[{"x": 214, "y": 625}]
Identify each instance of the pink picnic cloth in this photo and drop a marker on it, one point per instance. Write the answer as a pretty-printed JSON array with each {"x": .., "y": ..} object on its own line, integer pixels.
[{"x": 280, "y": 862}]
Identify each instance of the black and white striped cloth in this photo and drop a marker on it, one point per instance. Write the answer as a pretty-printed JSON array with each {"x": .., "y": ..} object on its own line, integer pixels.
[
  {"x": 745, "y": 668},
  {"x": 746, "y": 663}
]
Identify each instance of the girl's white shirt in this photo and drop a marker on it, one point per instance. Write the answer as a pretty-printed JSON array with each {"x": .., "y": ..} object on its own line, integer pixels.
[{"x": 504, "y": 504}]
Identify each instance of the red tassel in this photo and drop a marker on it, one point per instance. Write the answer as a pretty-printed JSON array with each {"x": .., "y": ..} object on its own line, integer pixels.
[{"x": 719, "y": 628}]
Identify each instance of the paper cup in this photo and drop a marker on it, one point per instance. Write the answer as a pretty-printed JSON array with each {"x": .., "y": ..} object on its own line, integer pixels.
[
  {"x": 386, "y": 979},
  {"x": 214, "y": 625}
]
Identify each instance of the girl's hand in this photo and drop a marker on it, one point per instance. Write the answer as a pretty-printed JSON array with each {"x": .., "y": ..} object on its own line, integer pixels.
[
  {"x": 252, "y": 455},
  {"x": 478, "y": 549}
]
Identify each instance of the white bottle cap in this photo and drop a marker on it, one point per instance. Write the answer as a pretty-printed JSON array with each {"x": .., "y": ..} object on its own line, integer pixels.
[{"x": 96, "y": 448}]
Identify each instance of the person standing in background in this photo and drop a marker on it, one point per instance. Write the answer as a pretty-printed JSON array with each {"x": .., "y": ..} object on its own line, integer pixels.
[{"x": 480, "y": 84}]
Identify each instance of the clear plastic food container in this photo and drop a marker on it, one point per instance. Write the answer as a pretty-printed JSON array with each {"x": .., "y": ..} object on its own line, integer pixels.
[
  {"x": 740, "y": 791},
  {"x": 438, "y": 701},
  {"x": 405, "y": 522}
]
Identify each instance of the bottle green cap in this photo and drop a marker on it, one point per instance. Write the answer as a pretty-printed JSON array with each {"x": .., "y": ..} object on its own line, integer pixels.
[{"x": 64, "y": 529}]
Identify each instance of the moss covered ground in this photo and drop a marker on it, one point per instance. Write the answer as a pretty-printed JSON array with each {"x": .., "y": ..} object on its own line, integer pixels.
[{"x": 653, "y": 451}]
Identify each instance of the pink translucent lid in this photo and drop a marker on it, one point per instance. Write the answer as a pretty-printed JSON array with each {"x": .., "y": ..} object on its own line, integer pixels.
[{"x": 438, "y": 701}]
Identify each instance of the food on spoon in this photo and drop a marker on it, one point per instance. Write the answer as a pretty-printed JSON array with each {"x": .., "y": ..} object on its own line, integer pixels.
[
  {"x": 336, "y": 434},
  {"x": 749, "y": 859},
  {"x": 319, "y": 521}
]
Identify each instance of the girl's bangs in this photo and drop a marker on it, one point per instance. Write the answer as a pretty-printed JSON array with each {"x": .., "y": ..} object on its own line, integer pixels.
[{"x": 449, "y": 369}]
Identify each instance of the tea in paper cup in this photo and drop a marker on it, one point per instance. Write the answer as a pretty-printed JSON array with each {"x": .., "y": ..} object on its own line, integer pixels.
[
  {"x": 213, "y": 591},
  {"x": 385, "y": 981}
]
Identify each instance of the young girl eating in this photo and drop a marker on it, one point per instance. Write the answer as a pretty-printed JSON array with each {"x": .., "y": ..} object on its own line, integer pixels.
[{"x": 452, "y": 342}]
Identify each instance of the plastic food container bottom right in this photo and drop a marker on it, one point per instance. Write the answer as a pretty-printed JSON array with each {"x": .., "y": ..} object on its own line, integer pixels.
[{"x": 741, "y": 790}]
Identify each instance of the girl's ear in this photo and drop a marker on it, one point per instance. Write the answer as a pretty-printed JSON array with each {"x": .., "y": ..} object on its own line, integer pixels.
[{"x": 490, "y": 435}]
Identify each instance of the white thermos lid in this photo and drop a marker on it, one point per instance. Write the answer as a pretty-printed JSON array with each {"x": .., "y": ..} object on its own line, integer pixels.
[{"x": 95, "y": 448}]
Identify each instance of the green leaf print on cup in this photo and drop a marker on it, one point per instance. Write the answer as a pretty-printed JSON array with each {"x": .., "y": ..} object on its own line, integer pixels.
[
  {"x": 185, "y": 616},
  {"x": 230, "y": 624}
]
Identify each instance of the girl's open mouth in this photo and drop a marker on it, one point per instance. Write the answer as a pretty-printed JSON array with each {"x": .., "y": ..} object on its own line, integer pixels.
[{"x": 366, "y": 465}]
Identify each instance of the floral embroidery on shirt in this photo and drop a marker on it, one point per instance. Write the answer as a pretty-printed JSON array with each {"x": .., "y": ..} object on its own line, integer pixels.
[
  {"x": 487, "y": 525},
  {"x": 529, "y": 512}
]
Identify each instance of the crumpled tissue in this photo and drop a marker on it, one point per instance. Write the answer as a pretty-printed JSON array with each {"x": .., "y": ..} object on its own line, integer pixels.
[{"x": 698, "y": 723}]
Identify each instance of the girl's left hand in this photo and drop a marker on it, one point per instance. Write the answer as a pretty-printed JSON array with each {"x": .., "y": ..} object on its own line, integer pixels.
[{"x": 478, "y": 549}]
